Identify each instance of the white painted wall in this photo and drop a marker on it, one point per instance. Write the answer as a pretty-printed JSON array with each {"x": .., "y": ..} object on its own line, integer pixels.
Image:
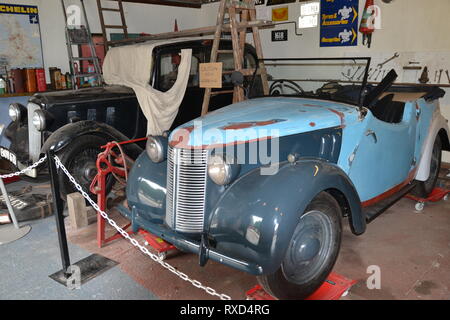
[{"x": 407, "y": 26}]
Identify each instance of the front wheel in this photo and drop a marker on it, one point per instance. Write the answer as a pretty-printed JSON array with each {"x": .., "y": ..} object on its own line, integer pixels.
[
  {"x": 312, "y": 252},
  {"x": 79, "y": 157}
]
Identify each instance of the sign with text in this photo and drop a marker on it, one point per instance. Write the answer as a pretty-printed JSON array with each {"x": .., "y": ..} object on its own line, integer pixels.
[
  {"x": 211, "y": 75},
  {"x": 338, "y": 23},
  {"x": 279, "y": 35}
]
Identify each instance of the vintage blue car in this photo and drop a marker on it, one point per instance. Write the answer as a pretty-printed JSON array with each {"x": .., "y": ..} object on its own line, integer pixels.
[{"x": 264, "y": 185}]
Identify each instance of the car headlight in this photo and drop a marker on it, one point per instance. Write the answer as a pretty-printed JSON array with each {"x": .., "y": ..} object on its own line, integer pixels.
[
  {"x": 15, "y": 111},
  {"x": 39, "y": 121},
  {"x": 156, "y": 148},
  {"x": 222, "y": 170}
]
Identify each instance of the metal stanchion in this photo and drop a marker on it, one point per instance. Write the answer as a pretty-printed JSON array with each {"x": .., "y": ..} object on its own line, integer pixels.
[
  {"x": 85, "y": 269},
  {"x": 58, "y": 208},
  {"x": 9, "y": 233}
]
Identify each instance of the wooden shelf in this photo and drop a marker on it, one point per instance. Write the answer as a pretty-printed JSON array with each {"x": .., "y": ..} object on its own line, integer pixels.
[{"x": 11, "y": 95}]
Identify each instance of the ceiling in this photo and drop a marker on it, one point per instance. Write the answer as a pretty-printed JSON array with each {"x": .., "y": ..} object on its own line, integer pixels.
[{"x": 175, "y": 3}]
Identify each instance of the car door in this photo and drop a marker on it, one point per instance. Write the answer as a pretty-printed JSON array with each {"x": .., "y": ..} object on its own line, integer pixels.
[{"x": 383, "y": 161}]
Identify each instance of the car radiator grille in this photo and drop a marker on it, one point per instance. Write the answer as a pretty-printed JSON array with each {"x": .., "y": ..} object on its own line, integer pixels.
[{"x": 186, "y": 188}]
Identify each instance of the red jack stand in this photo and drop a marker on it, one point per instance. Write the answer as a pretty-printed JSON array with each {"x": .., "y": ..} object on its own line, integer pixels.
[
  {"x": 108, "y": 162},
  {"x": 161, "y": 247},
  {"x": 333, "y": 288},
  {"x": 436, "y": 195}
]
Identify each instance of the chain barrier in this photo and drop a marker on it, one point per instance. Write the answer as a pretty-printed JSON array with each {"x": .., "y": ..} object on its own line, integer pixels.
[
  {"x": 23, "y": 171},
  {"x": 134, "y": 242}
]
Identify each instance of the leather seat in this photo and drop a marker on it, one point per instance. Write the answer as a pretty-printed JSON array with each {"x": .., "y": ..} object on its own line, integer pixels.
[{"x": 387, "y": 110}]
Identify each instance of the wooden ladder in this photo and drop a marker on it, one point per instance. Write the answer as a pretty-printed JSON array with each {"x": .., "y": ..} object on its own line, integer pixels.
[
  {"x": 104, "y": 26},
  {"x": 238, "y": 28}
]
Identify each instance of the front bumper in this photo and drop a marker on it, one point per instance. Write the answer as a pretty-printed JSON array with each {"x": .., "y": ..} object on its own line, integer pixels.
[
  {"x": 186, "y": 244},
  {"x": 10, "y": 156}
]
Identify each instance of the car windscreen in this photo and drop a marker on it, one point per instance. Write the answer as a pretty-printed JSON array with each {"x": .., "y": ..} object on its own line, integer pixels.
[{"x": 336, "y": 79}]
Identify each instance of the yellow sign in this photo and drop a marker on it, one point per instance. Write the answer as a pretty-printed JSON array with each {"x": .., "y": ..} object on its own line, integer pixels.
[
  {"x": 211, "y": 75},
  {"x": 18, "y": 9},
  {"x": 280, "y": 14}
]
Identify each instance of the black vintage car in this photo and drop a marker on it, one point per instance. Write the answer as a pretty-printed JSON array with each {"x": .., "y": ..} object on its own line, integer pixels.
[{"x": 79, "y": 122}]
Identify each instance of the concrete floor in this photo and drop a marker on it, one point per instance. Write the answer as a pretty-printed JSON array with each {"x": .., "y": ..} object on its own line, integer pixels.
[{"x": 411, "y": 249}]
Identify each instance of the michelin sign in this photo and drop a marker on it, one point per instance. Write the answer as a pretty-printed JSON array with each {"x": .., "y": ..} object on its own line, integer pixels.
[{"x": 338, "y": 23}]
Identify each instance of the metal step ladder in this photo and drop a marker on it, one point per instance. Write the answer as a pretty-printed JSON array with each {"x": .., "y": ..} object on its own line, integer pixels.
[
  {"x": 104, "y": 26},
  {"x": 238, "y": 28},
  {"x": 81, "y": 35}
]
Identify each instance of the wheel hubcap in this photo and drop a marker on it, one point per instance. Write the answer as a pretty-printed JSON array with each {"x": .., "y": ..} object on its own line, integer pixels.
[{"x": 309, "y": 249}]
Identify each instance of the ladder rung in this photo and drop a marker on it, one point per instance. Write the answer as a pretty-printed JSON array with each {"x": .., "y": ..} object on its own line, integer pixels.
[
  {"x": 110, "y": 9},
  {"x": 85, "y": 58},
  {"x": 81, "y": 75},
  {"x": 215, "y": 93},
  {"x": 225, "y": 51},
  {"x": 115, "y": 27},
  {"x": 245, "y": 72}
]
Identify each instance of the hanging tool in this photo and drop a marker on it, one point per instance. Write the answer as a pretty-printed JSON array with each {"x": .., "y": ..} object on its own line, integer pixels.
[
  {"x": 436, "y": 76},
  {"x": 424, "y": 76},
  {"x": 440, "y": 75},
  {"x": 448, "y": 76},
  {"x": 367, "y": 27},
  {"x": 395, "y": 56}
]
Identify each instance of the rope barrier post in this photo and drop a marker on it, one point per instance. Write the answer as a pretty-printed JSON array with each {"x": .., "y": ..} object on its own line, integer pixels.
[{"x": 58, "y": 209}]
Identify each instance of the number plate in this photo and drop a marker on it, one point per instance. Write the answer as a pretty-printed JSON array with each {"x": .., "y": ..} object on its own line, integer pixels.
[{"x": 8, "y": 155}]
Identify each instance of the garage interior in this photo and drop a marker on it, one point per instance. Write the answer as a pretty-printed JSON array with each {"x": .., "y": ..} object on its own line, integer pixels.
[{"x": 407, "y": 246}]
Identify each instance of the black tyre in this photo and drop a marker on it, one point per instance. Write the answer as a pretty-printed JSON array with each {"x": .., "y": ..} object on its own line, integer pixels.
[
  {"x": 424, "y": 188},
  {"x": 79, "y": 157},
  {"x": 312, "y": 252}
]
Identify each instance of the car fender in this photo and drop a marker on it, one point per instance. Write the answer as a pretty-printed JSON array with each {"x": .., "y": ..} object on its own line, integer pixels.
[
  {"x": 255, "y": 218},
  {"x": 439, "y": 127},
  {"x": 62, "y": 137}
]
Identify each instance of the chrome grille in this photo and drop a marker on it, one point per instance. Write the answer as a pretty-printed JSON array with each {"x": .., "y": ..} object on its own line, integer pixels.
[
  {"x": 34, "y": 136},
  {"x": 186, "y": 187}
]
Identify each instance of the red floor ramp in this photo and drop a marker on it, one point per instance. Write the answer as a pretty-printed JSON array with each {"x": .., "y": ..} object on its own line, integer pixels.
[{"x": 332, "y": 289}]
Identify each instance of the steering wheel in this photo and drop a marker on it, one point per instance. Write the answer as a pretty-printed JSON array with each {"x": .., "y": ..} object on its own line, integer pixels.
[
  {"x": 278, "y": 87},
  {"x": 330, "y": 88}
]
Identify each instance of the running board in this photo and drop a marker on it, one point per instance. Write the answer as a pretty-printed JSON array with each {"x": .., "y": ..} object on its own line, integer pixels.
[{"x": 378, "y": 208}]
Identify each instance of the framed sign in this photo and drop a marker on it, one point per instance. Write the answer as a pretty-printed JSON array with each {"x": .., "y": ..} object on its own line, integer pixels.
[
  {"x": 338, "y": 23},
  {"x": 20, "y": 44},
  {"x": 211, "y": 75},
  {"x": 279, "y": 35}
]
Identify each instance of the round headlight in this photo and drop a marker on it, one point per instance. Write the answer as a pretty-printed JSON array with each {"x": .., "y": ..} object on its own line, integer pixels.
[
  {"x": 155, "y": 149},
  {"x": 39, "y": 120},
  {"x": 14, "y": 112},
  {"x": 220, "y": 170}
]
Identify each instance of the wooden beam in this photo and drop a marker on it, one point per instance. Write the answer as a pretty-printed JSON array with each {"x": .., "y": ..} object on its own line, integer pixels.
[
  {"x": 197, "y": 32},
  {"x": 174, "y": 3}
]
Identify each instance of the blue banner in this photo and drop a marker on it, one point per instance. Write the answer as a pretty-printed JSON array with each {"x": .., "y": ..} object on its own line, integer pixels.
[{"x": 338, "y": 23}]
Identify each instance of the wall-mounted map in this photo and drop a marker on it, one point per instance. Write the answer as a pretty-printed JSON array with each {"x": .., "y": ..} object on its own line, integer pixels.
[{"x": 20, "y": 36}]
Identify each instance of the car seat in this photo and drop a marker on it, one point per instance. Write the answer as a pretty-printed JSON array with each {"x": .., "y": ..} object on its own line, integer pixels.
[{"x": 387, "y": 110}]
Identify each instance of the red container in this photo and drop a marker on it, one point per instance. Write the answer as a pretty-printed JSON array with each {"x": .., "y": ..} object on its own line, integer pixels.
[
  {"x": 40, "y": 80},
  {"x": 30, "y": 80},
  {"x": 18, "y": 80}
]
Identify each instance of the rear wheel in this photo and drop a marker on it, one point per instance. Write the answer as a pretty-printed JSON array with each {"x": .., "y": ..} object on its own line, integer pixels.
[
  {"x": 424, "y": 188},
  {"x": 312, "y": 252},
  {"x": 79, "y": 157}
]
